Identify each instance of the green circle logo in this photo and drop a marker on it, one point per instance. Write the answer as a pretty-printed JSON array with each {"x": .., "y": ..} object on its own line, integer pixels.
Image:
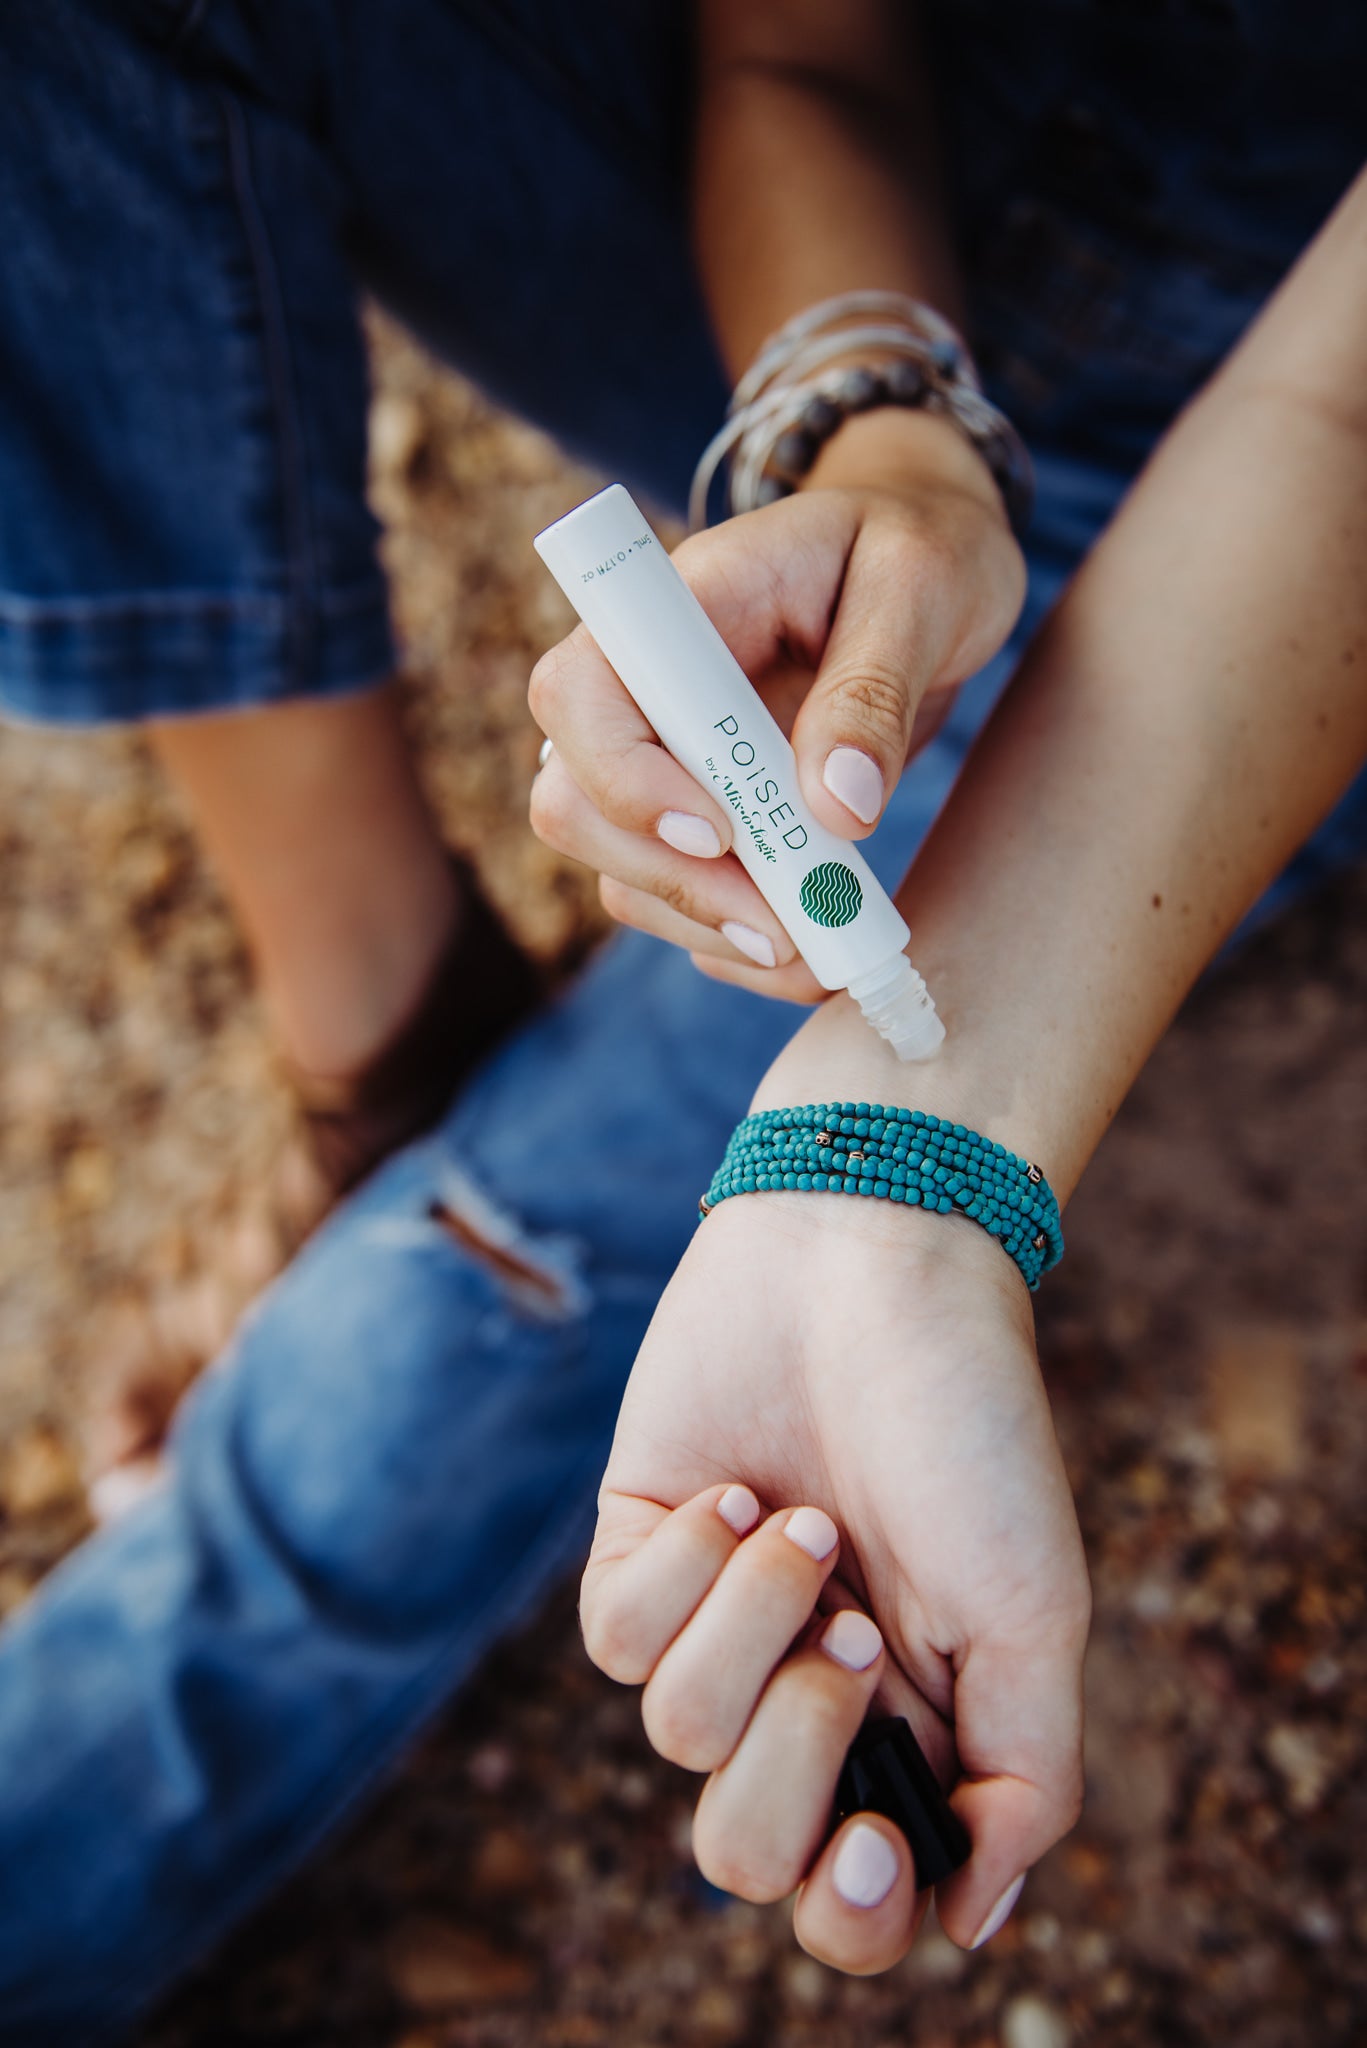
[{"x": 831, "y": 894}]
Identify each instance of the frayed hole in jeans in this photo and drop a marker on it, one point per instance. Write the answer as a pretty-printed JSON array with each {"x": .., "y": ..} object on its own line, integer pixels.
[{"x": 548, "y": 1290}]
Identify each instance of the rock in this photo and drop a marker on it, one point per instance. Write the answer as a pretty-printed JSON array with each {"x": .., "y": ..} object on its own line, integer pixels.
[
  {"x": 718, "y": 2014},
  {"x": 1317, "y": 1922},
  {"x": 680, "y": 1971},
  {"x": 39, "y": 1474},
  {"x": 434, "y": 1966},
  {"x": 935, "y": 1960},
  {"x": 1040, "y": 1932},
  {"x": 1086, "y": 1863},
  {"x": 577, "y": 2030},
  {"x": 805, "y": 1983},
  {"x": 1115, "y": 1991},
  {"x": 88, "y": 1179},
  {"x": 748, "y": 1946},
  {"x": 491, "y": 1766},
  {"x": 1255, "y": 1388},
  {"x": 1147, "y": 1483},
  {"x": 569, "y": 1864},
  {"x": 1302, "y": 1763},
  {"x": 32, "y": 1089},
  {"x": 1322, "y": 1674},
  {"x": 506, "y": 1862},
  {"x": 396, "y": 431},
  {"x": 633, "y": 1789},
  {"x": 1152, "y": 1600},
  {"x": 1032, "y": 2022},
  {"x": 1092, "y": 1949}
]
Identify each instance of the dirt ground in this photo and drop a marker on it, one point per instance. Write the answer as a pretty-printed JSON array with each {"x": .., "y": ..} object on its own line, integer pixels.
[{"x": 526, "y": 1881}]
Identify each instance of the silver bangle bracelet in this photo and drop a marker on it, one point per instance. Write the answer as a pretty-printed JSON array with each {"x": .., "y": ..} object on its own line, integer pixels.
[{"x": 796, "y": 394}]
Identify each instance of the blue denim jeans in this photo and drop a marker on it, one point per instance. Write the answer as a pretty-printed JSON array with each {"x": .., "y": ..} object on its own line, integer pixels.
[{"x": 399, "y": 1452}]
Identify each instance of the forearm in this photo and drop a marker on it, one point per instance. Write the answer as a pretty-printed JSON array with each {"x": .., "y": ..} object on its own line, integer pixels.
[
  {"x": 814, "y": 165},
  {"x": 1194, "y": 706}
]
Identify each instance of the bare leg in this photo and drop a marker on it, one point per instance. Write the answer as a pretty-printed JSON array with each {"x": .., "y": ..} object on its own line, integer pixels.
[{"x": 313, "y": 815}]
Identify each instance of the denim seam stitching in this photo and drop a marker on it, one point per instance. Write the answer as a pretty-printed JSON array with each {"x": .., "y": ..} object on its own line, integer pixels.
[{"x": 298, "y": 530}]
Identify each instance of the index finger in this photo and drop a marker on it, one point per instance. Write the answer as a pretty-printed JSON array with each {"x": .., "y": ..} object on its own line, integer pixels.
[
  {"x": 609, "y": 747},
  {"x": 649, "y": 1570},
  {"x": 767, "y": 580}
]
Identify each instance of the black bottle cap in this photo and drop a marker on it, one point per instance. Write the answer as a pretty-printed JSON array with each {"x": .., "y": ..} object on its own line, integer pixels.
[{"x": 886, "y": 1772}]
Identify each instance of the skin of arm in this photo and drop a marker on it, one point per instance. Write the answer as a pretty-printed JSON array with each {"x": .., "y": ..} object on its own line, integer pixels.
[
  {"x": 1194, "y": 705},
  {"x": 814, "y": 168},
  {"x": 813, "y": 174}
]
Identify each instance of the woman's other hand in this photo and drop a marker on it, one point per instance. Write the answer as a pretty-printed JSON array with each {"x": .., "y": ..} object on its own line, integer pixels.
[{"x": 856, "y": 607}]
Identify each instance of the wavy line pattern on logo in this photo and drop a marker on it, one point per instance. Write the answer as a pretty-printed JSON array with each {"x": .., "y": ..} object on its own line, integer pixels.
[{"x": 830, "y": 894}]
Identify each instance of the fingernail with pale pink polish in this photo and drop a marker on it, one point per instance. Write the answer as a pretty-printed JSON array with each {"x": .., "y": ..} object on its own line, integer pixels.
[
  {"x": 856, "y": 781},
  {"x": 851, "y": 1639},
  {"x": 1000, "y": 1913},
  {"x": 687, "y": 834},
  {"x": 865, "y": 1867},
  {"x": 813, "y": 1531},
  {"x": 753, "y": 944},
  {"x": 739, "y": 1509}
]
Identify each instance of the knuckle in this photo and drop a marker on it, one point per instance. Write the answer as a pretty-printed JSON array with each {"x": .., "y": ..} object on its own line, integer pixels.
[
  {"x": 917, "y": 546},
  {"x": 928, "y": 554},
  {"x": 713, "y": 969},
  {"x": 680, "y": 1732},
  {"x": 853, "y": 1955},
  {"x": 875, "y": 697},
  {"x": 623, "y": 802},
  {"x": 610, "y": 1641},
  {"x": 785, "y": 1569},
  {"x": 828, "y": 1707},
  {"x": 676, "y": 893},
  {"x": 549, "y": 809},
  {"x": 545, "y": 686},
  {"x": 618, "y": 899},
  {"x": 724, "y": 1863}
]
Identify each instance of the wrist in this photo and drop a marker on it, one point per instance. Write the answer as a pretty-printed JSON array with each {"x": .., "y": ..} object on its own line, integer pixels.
[
  {"x": 901, "y": 448},
  {"x": 927, "y": 1253},
  {"x": 901, "y": 1158},
  {"x": 975, "y": 1079}
]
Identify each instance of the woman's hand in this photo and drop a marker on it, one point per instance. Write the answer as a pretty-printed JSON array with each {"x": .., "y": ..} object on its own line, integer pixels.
[
  {"x": 878, "y": 1367},
  {"x": 856, "y": 607}
]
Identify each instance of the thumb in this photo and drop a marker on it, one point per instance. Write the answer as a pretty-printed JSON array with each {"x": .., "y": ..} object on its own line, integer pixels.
[
  {"x": 884, "y": 649},
  {"x": 1018, "y": 1721}
]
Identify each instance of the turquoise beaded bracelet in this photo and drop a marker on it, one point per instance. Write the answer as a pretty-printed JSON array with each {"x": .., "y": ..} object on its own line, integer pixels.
[{"x": 898, "y": 1155}]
